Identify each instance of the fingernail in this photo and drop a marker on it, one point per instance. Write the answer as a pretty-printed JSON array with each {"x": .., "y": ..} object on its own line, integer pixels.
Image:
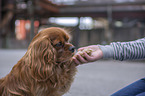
[{"x": 73, "y": 58}]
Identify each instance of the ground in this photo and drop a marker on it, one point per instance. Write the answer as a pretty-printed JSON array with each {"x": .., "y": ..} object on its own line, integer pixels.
[{"x": 100, "y": 78}]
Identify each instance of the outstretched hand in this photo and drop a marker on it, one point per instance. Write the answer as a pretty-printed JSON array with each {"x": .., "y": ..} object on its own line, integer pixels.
[{"x": 96, "y": 55}]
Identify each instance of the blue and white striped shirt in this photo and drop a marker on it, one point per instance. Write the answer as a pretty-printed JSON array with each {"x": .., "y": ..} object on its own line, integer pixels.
[{"x": 125, "y": 50}]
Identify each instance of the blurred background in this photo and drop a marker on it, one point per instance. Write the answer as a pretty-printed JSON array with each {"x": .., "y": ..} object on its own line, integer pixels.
[{"x": 90, "y": 22}]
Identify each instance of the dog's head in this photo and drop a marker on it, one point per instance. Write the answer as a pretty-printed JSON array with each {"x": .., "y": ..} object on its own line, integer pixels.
[
  {"x": 49, "y": 48},
  {"x": 54, "y": 44}
]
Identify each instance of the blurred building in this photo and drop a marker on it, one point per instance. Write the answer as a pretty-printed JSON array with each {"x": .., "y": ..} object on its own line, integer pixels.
[{"x": 90, "y": 21}]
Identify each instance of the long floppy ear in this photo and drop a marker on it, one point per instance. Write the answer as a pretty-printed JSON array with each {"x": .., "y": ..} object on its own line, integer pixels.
[
  {"x": 1, "y": 86},
  {"x": 41, "y": 58}
]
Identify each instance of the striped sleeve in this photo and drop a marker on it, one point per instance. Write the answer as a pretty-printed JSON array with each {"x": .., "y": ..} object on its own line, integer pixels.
[{"x": 129, "y": 50}]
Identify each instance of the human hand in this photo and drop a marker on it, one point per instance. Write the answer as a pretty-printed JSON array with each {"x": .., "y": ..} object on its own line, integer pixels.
[{"x": 96, "y": 54}]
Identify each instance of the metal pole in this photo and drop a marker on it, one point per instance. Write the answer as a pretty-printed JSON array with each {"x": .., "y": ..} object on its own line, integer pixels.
[
  {"x": 31, "y": 15},
  {"x": 32, "y": 29},
  {"x": 0, "y": 10},
  {"x": 76, "y": 35},
  {"x": 109, "y": 29},
  {"x": 109, "y": 14}
]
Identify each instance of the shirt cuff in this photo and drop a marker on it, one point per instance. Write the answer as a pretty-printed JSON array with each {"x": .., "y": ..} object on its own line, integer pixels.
[{"x": 107, "y": 50}]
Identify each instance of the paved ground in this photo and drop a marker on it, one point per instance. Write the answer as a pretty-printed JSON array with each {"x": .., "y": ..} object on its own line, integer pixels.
[{"x": 100, "y": 78}]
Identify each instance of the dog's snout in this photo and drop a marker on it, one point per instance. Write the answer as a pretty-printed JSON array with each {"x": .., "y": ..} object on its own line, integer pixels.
[{"x": 72, "y": 48}]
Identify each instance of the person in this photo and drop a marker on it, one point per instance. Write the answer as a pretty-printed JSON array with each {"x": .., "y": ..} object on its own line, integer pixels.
[{"x": 118, "y": 51}]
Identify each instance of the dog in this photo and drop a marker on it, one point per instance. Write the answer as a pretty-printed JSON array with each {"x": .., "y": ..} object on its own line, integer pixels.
[{"x": 46, "y": 69}]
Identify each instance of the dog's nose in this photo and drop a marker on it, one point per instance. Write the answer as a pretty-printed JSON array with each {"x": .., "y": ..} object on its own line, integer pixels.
[{"x": 72, "y": 48}]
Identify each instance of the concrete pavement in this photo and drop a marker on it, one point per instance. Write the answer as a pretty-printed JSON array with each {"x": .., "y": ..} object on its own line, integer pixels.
[{"x": 100, "y": 78}]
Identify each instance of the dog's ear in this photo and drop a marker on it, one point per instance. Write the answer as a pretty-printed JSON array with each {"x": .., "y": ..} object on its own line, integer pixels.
[
  {"x": 1, "y": 87},
  {"x": 42, "y": 58}
]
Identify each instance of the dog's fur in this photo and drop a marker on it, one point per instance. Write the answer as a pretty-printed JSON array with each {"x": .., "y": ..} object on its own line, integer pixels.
[{"x": 45, "y": 70}]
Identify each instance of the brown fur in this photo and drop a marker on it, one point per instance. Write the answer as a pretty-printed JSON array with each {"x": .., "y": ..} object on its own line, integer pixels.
[{"x": 45, "y": 69}]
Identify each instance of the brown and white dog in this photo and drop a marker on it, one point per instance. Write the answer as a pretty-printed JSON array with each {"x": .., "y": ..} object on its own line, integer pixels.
[{"x": 46, "y": 69}]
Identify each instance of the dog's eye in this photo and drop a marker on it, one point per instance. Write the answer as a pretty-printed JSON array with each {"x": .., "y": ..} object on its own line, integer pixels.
[{"x": 59, "y": 44}]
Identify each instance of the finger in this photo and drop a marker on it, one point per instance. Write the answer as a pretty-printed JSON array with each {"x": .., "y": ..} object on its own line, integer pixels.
[
  {"x": 82, "y": 48},
  {"x": 81, "y": 59},
  {"x": 88, "y": 57},
  {"x": 76, "y": 61}
]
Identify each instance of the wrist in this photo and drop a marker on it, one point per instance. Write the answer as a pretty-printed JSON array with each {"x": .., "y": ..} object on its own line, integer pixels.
[{"x": 107, "y": 51}]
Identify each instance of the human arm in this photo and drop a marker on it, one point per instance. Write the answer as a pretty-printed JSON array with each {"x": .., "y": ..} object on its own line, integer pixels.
[
  {"x": 129, "y": 50},
  {"x": 116, "y": 50}
]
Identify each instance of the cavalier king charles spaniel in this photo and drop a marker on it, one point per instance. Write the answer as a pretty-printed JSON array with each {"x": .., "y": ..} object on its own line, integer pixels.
[{"x": 46, "y": 69}]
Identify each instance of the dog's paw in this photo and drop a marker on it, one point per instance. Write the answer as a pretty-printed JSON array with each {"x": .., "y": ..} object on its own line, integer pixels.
[{"x": 86, "y": 50}]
